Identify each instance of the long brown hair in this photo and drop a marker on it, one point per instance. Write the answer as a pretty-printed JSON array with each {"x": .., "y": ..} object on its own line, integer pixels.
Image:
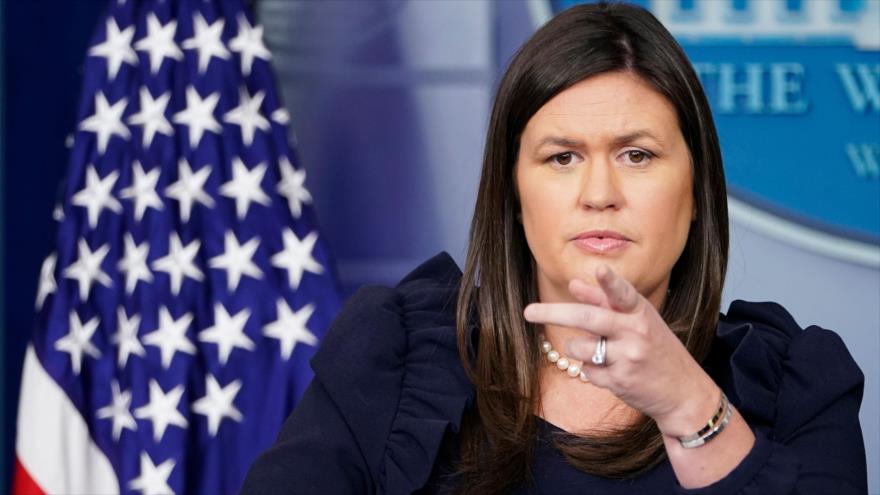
[{"x": 498, "y": 436}]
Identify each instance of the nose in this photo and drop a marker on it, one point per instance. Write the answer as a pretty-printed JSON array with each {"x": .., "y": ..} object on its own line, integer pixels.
[{"x": 600, "y": 187}]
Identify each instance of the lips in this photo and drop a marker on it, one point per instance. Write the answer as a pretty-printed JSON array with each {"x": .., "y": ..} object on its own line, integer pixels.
[{"x": 602, "y": 241}]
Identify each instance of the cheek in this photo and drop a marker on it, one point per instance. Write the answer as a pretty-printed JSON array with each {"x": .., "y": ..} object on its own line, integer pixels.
[
  {"x": 543, "y": 196},
  {"x": 542, "y": 211},
  {"x": 666, "y": 215}
]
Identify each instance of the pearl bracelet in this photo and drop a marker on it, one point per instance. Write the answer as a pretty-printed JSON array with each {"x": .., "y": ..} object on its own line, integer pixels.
[{"x": 713, "y": 427}]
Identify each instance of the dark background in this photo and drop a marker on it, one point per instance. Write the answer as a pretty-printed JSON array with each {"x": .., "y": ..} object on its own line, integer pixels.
[{"x": 44, "y": 44}]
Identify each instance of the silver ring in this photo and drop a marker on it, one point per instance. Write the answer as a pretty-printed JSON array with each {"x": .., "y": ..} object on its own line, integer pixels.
[{"x": 599, "y": 355}]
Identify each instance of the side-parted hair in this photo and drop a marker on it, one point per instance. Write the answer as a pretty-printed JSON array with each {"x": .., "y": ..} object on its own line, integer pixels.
[{"x": 498, "y": 437}]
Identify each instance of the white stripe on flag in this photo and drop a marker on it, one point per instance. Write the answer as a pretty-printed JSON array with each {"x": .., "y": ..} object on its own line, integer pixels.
[{"x": 53, "y": 443}]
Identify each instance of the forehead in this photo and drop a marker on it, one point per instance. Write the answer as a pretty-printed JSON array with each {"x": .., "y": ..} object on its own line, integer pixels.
[{"x": 610, "y": 104}]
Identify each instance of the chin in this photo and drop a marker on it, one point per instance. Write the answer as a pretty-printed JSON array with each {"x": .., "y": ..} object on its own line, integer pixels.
[{"x": 585, "y": 269}]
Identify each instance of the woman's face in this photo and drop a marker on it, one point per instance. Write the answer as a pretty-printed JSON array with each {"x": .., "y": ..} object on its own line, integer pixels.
[{"x": 605, "y": 155}]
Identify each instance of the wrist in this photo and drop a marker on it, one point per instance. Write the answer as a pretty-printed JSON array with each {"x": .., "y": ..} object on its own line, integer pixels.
[{"x": 692, "y": 413}]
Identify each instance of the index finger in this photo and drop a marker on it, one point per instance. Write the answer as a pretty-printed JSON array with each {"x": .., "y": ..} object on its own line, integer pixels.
[
  {"x": 594, "y": 319},
  {"x": 621, "y": 294}
]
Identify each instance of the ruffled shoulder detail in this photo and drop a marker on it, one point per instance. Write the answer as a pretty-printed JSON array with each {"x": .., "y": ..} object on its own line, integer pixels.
[
  {"x": 781, "y": 375},
  {"x": 435, "y": 391},
  {"x": 390, "y": 362}
]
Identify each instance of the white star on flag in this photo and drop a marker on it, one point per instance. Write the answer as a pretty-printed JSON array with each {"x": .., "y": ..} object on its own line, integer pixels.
[
  {"x": 153, "y": 479},
  {"x": 170, "y": 337},
  {"x": 245, "y": 187},
  {"x": 97, "y": 194},
  {"x": 190, "y": 188},
  {"x": 179, "y": 262},
  {"x": 159, "y": 42},
  {"x": 134, "y": 263},
  {"x": 78, "y": 341},
  {"x": 87, "y": 268},
  {"x": 198, "y": 115},
  {"x": 152, "y": 116},
  {"x": 249, "y": 44},
  {"x": 106, "y": 121},
  {"x": 118, "y": 411},
  {"x": 142, "y": 190},
  {"x": 207, "y": 40},
  {"x": 290, "y": 327},
  {"x": 237, "y": 260},
  {"x": 218, "y": 403},
  {"x": 58, "y": 213},
  {"x": 247, "y": 115},
  {"x": 126, "y": 337},
  {"x": 292, "y": 187},
  {"x": 296, "y": 257},
  {"x": 281, "y": 116},
  {"x": 116, "y": 48},
  {"x": 227, "y": 332},
  {"x": 162, "y": 409},
  {"x": 47, "y": 283},
  {"x": 183, "y": 221}
]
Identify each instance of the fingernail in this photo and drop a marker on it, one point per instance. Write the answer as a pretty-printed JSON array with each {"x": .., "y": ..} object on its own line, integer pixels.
[{"x": 529, "y": 312}]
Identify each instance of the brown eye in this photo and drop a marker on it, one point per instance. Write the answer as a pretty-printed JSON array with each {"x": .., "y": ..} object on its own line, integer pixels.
[
  {"x": 636, "y": 156},
  {"x": 563, "y": 158}
]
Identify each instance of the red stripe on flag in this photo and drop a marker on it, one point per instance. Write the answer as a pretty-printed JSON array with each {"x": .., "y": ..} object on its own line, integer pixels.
[{"x": 22, "y": 483}]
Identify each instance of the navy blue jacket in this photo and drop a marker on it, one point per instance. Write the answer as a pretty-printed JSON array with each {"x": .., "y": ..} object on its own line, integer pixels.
[{"x": 383, "y": 412}]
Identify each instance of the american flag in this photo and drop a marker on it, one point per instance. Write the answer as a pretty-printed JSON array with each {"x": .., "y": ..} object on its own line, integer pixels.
[{"x": 189, "y": 286}]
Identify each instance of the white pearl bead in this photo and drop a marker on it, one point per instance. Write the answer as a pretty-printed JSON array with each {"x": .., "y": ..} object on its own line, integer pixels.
[{"x": 563, "y": 363}]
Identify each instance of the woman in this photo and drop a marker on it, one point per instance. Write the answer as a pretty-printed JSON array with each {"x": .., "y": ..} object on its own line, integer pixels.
[{"x": 581, "y": 351}]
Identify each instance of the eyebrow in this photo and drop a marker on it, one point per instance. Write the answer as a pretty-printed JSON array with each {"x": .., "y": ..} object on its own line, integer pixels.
[
  {"x": 559, "y": 141},
  {"x": 575, "y": 143},
  {"x": 632, "y": 136}
]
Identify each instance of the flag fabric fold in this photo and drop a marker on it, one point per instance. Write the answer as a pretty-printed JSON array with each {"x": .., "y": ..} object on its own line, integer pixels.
[{"x": 189, "y": 285}]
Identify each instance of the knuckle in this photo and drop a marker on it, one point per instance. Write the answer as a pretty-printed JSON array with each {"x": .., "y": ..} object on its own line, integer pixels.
[
  {"x": 641, "y": 328},
  {"x": 586, "y": 316},
  {"x": 635, "y": 353}
]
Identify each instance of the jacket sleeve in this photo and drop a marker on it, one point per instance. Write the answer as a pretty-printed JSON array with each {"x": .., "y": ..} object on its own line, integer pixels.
[
  {"x": 315, "y": 453},
  {"x": 388, "y": 388},
  {"x": 329, "y": 444},
  {"x": 800, "y": 390}
]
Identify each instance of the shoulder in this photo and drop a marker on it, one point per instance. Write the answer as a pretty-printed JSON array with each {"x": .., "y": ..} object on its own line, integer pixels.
[
  {"x": 380, "y": 321},
  {"x": 777, "y": 372},
  {"x": 390, "y": 363}
]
